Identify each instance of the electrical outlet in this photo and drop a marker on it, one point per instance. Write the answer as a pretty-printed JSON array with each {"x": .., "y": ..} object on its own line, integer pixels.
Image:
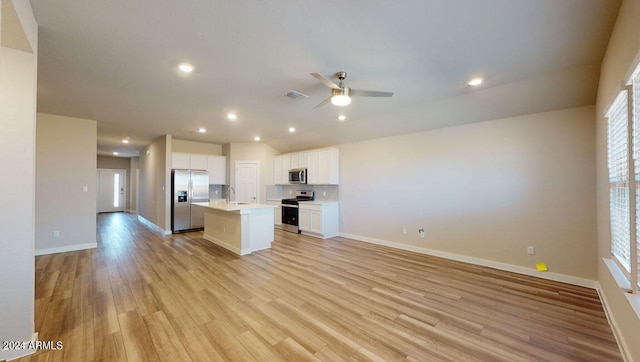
[
  {"x": 56, "y": 234},
  {"x": 404, "y": 231},
  {"x": 531, "y": 250},
  {"x": 324, "y": 193},
  {"x": 422, "y": 234},
  {"x": 290, "y": 192}
]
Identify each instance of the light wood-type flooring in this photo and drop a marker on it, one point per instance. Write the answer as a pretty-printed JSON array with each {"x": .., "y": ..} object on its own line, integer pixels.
[{"x": 144, "y": 296}]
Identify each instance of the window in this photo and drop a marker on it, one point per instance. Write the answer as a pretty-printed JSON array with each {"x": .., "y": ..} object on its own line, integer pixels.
[
  {"x": 618, "y": 154},
  {"x": 623, "y": 153},
  {"x": 116, "y": 190}
]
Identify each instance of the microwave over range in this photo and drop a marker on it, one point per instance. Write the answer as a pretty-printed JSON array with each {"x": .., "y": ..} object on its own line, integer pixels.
[{"x": 298, "y": 176}]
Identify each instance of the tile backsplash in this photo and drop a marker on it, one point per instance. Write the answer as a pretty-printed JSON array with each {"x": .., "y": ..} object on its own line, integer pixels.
[
  {"x": 322, "y": 193},
  {"x": 216, "y": 192}
]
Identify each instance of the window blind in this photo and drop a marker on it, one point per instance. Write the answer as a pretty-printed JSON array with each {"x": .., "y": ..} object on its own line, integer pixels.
[
  {"x": 618, "y": 162},
  {"x": 636, "y": 157}
]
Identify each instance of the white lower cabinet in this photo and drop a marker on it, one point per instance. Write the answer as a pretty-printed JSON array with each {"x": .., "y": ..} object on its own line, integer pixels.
[
  {"x": 303, "y": 219},
  {"x": 277, "y": 213},
  {"x": 318, "y": 219}
]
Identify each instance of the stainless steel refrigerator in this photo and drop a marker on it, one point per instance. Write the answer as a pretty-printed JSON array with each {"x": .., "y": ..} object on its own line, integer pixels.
[{"x": 187, "y": 187}]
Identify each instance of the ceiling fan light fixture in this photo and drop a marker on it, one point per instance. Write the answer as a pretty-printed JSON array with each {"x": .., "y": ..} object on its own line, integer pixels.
[{"x": 340, "y": 97}]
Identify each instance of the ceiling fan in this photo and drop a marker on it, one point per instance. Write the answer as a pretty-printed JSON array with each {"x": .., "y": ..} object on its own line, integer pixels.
[{"x": 341, "y": 94}]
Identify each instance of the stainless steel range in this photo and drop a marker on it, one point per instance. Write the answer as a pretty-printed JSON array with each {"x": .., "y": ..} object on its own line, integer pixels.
[{"x": 290, "y": 210}]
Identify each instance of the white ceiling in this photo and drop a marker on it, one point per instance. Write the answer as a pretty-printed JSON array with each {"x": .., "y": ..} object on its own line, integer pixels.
[{"x": 115, "y": 62}]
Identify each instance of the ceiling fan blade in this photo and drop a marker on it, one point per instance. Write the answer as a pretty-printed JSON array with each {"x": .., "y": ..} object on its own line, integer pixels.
[
  {"x": 367, "y": 93},
  {"x": 324, "y": 80},
  {"x": 327, "y": 100}
]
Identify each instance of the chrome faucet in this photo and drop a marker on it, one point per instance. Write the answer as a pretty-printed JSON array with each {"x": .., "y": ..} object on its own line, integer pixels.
[{"x": 229, "y": 190}]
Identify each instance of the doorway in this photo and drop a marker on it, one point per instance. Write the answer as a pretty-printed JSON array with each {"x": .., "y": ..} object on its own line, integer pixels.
[
  {"x": 111, "y": 190},
  {"x": 247, "y": 181}
]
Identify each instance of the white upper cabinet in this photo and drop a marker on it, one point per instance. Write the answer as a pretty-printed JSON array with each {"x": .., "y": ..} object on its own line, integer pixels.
[
  {"x": 322, "y": 166},
  {"x": 281, "y": 166},
  {"x": 198, "y": 162},
  {"x": 217, "y": 167},
  {"x": 313, "y": 177},
  {"x": 299, "y": 160},
  {"x": 180, "y": 160}
]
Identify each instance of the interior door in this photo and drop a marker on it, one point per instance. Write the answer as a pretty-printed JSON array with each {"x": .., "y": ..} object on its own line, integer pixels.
[
  {"x": 247, "y": 181},
  {"x": 111, "y": 190}
]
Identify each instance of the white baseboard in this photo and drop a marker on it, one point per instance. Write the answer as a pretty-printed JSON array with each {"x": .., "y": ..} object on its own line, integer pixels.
[
  {"x": 63, "y": 249},
  {"x": 477, "y": 261},
  {"x": 624, "y": 350},
  {"x": 153, "y": 226},
  {"x": 227, "y": 246}
]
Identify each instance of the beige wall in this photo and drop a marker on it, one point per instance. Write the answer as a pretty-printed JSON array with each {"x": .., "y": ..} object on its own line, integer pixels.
[
  {"x": 114, "y": 163},
  {"x": 134, "y": 185},
  {"x": 65, "y": 164},
  {"x": 155, "y": 183},
  {"x": 624, "y": 47},
  {"x": 485, "y": 190},
  {"x": 196, "y": 147},
  {"x": 251, "y": 152},
  {"x": 18, "y": 73}
]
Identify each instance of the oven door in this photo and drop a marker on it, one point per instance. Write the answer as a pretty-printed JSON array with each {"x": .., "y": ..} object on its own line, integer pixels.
[{"x": 290, "y": 218}]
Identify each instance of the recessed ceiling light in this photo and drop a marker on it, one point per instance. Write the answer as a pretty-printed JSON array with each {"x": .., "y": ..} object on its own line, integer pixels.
[
  {"x": 232, "y": 116},
  {"x": 115, "y": 153},
  {"x": 291, "y": 129},
  {"x": 342, "y": 117},
  {"x": 126, "y": 140},
  {"x": 256, "y": 138},
  {"x": 202, "y": 130},
  {"x": 475, "y": 81},
  {"x": 185, "y": 67}
]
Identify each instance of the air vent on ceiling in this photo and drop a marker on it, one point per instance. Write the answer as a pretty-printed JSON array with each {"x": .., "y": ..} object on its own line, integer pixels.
[{"x": 295, "y": 94}]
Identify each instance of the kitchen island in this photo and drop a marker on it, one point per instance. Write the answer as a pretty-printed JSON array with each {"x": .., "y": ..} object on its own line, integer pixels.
[{"x": 239, "y": 227}]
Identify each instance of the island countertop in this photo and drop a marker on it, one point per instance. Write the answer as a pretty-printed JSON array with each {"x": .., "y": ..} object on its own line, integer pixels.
[{"x": 240, "y": 207}]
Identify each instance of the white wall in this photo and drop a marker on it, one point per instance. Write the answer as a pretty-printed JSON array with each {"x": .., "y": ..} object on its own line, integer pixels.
[
  {"x": 624, "y": 47},
  {"x": 485, "y": 191},
  {"x": 18, "y": 73},
  {"x": 65, "y": 165}
]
